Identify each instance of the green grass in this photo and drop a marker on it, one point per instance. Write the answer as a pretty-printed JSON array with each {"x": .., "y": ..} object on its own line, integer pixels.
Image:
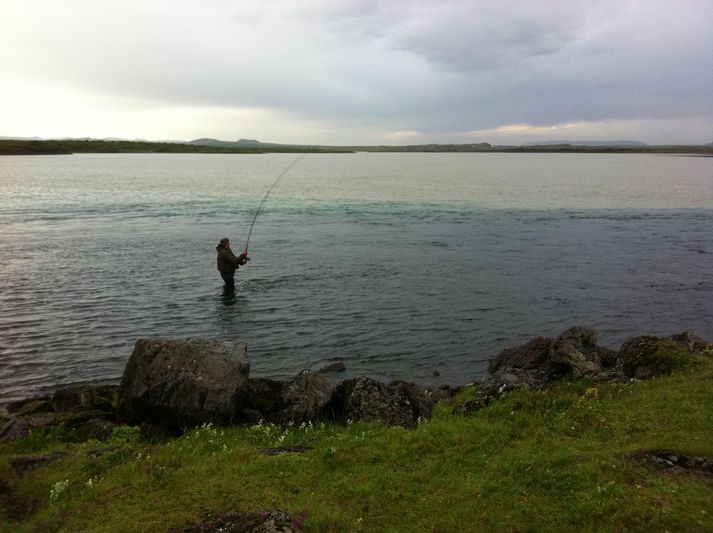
[{"x": 559, "y": 460}]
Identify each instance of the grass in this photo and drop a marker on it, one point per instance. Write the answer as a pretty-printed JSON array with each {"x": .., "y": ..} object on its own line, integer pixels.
[{"x": 559, "y": 460}]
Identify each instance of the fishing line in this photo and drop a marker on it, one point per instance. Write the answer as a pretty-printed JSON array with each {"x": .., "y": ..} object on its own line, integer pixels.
[{"x": 297, "y": 160}]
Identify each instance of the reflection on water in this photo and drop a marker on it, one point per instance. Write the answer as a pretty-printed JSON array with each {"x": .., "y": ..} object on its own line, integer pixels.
[{"x": 229, "y": 296}]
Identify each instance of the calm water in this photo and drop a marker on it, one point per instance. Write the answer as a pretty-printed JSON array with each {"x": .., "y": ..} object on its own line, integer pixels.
[{"x": 398, "y": 264}]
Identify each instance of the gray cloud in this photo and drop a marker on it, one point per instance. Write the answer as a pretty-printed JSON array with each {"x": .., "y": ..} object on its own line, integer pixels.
[{"x": 445, "y": 67}]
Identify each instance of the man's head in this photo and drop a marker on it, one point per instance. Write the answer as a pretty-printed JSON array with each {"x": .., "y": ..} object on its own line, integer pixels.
[{"x": 225, "y": 242}]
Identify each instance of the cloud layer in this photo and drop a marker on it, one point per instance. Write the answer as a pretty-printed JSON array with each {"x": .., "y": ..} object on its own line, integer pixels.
[{"x": 359, "y": 71}]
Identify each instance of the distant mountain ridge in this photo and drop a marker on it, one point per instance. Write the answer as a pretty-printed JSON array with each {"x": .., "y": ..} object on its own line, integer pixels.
[
  {"x": 242, "y": 143},
  {"x": 589, "y": 143}
]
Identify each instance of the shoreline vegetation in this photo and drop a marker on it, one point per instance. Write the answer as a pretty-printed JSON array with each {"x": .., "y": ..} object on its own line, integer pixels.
[
  {"x": 627, "y": 450},
  {"x": 211, "y": 146}
]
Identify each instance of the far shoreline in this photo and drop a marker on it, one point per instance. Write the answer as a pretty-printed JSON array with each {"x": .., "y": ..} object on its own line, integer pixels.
[{"x": 84, "y": 146}]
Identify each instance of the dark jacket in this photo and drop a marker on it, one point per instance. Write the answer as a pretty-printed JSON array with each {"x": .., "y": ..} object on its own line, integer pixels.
[{"x": 227, "y": 260}]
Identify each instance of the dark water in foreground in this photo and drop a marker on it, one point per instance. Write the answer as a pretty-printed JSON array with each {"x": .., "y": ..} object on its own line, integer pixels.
[{"x": 396, "y": 289}]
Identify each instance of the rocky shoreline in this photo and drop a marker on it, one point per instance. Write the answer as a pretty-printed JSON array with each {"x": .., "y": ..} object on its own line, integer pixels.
[{"x": 169, "y": 386}]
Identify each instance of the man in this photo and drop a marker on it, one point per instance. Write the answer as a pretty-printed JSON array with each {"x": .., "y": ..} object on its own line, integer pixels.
[{"x": 228, "y": 262}]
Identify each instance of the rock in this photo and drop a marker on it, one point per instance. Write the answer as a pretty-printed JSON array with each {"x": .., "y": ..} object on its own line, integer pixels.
[
  {"x": 527, "y": 355},
  {"x": 573, "y": 353},
  {"x": 503, "y": 381},
  {"x": 281, "y": 450},
  {"x": 421, "y": 399},
  {"x": 20, "y": 427},
  {"x": 676, "y": 462},
  {"x": 156, "y": 434},
  {"x": 251, "y": 416},
  {"x": 30, "y": 406},
  {"x": 648, "y": 356},
  {"x": 365, "y": 399},
  {"x": 95, "y": 428},
  {"x": 265, "y": 522},
  {"x": 304, "y": 398},
  {"x": 264, "y": 401},
  {"x": 86, "y": 397},
  {"x": 693, "y": 343},
  {"x": 85, "y": 411},
  {"x": 301, "y": 399},
  {"x": 444, "y": 393},
  {"x": 178, "y": 384},
  {"x": 27, "y": 463},
  {"x": 78, "y": 425}
]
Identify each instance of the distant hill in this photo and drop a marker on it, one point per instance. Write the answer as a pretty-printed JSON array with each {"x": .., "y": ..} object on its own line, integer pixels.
[
  {"x": 242, "y": 143},
  {"x": 589, "y": 143}
]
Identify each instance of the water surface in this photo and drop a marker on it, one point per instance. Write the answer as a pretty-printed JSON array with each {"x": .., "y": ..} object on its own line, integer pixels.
[{"x": 398, "y": 264}]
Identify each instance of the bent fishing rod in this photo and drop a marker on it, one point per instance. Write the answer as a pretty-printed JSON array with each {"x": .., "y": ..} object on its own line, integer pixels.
[{"x": 257, "y": 212}]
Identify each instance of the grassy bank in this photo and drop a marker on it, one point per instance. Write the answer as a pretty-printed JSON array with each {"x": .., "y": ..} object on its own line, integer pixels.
[{"x": 559, "y": 460}]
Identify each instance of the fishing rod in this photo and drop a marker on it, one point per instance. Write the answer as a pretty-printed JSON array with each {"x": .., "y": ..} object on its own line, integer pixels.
[{"x": 282, "y": 174}]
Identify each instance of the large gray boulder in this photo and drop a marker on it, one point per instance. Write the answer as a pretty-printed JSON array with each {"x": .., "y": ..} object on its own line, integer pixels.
[
  {"x": 305, "y": 397},
  {"x": 178, "y": 384},
  {"x": 573, "y": 353}
]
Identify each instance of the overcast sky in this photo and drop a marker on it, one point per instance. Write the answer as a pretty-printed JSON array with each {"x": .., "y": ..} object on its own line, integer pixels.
[{"x": 358, "y": 71}]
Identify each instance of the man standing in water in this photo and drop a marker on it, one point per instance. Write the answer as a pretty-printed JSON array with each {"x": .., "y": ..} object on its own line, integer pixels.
[{"x": 228, "y": 262}]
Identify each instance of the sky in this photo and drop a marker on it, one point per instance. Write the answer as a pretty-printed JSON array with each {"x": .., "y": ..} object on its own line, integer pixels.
[{"x": 346, "y": 72}]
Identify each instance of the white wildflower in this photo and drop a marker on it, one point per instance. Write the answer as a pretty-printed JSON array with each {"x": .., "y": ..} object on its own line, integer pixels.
[{"x": 57, "y": 489}]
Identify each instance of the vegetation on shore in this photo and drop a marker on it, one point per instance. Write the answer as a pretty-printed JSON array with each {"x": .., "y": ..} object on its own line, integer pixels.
[
  {"x": 81, "y": 146},
  {"x": 76, "y": 146},
  {"x": 568, "y": 458}
]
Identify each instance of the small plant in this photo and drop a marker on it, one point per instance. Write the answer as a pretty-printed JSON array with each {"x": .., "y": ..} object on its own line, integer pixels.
[
  {"x": 57, "y": 489},
  {"x": 125, "y": 435},
  {"x": 591, "y": 392}
]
